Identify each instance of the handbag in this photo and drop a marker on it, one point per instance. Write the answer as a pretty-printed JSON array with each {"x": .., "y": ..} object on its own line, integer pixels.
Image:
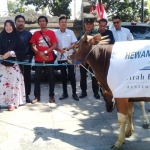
[{"x": 54, "y": 55}]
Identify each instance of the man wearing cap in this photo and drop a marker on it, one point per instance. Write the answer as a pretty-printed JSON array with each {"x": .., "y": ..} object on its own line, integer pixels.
[
  {"x": 89, "y": 24},
  {"x": 104, "y": 32}
]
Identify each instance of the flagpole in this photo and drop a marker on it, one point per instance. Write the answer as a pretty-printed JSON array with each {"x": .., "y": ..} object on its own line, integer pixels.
[
  {"x": 82, "y": 14},
  {"x": 142, "y": 11}
]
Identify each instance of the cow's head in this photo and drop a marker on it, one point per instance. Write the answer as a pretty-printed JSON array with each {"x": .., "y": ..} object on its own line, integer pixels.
[{"x": 84, "y": 45}]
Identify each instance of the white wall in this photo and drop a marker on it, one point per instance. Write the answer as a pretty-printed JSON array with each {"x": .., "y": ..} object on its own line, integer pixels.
[
  {"x": 76, "y": 8},
  {"x": 3, "y": 8}
]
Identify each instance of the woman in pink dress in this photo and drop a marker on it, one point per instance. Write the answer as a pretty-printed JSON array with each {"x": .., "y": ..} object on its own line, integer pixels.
[{"x": 12, "y": 90}]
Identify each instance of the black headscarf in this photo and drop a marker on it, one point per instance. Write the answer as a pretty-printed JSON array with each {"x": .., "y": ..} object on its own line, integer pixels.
[{"x": 11, "y": 42}]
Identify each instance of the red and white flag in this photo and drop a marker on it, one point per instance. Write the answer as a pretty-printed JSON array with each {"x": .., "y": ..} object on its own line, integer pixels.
[{"x": 100, "y": 10}]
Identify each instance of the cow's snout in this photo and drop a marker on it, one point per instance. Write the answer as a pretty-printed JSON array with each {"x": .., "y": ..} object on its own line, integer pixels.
[
  {"x": 70, "y": 56},
  {"x": 109, "y": 107}
]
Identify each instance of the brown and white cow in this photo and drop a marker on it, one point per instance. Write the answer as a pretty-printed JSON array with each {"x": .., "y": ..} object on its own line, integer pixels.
[{"x": 98, "y": 57}]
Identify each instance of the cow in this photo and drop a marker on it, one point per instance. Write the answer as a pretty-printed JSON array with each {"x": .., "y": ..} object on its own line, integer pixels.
[{"x": 98, "y": 57}]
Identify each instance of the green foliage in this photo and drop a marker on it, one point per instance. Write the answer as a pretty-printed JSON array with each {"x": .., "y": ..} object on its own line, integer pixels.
[
  {"x": 127, "y": 9},
  {"x": 14, "y": 7},
  {"x": 55, "y": 7}
]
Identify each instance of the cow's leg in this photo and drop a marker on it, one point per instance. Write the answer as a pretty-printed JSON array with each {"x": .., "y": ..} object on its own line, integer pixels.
[
  {"x": 146, "y": 123},
  {"x": 130, "y": 128},
  {"x": 122, "y": 109}
]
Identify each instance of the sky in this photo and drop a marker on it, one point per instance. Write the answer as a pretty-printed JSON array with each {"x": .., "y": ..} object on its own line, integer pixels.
[{"x": 75, "y": 11}]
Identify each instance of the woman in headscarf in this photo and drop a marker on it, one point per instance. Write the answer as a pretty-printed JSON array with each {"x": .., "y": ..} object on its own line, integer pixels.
[{"x": 12, "y": 91}]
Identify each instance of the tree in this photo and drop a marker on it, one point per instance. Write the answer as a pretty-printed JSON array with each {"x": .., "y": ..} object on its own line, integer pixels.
[
  {"x": 55, "y": 7},
  {"x": 14, "y": 7},
  {"x": 126, "y": 9}
]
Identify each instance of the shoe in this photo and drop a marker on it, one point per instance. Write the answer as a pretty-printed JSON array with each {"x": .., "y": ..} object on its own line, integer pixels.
[
  {"x": 82, "y": 95},
  {"x": 75, "y": 97},
  {"x": 11, "y": 107},
  {"x": 35, "y": 100},
  {"x": 63, "y": 96},
  {"x": 52, "y": 99},
  {"x": 28, "y": 100},
  {"x": 97, "y": 96}
]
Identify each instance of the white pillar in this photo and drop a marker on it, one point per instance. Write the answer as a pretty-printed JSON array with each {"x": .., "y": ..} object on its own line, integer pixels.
[
  {"x": 3, "y": 8},
  {"x": 75, "y": 17}
]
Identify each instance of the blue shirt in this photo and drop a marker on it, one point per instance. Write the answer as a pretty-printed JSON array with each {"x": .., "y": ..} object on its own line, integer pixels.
[{"x": 25, "y": 37}]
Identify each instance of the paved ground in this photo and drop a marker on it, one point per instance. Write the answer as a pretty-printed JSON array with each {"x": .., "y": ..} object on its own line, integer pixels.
[{"x": 67, "y": 125}]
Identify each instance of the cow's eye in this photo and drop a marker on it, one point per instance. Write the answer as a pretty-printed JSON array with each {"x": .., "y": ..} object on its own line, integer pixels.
[{"x": 76, "y": 46}]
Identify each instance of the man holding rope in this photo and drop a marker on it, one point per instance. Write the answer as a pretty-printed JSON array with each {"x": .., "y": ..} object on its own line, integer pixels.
[
  {"x": 25, "y": 37},
  {"x": 66, "y": 43},
  {"x": 43, "y": 44}
]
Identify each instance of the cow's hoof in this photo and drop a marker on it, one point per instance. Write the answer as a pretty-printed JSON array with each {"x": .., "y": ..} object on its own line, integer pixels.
[
  {"x": 146, "y": 125},
  {"x": 115, "y": 148},
  {"x": 128, "y": 134}
]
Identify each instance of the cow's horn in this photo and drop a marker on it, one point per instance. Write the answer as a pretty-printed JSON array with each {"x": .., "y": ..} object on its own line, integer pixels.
[
  {"x": 85, "y": 37},
  {"x": 104, "y": 37}
]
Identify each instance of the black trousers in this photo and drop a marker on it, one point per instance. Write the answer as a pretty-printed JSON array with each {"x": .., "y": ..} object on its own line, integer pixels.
[
  {"x": 83, "y": 80},
  {"x": 38, "y": 75},
  {"x": 64, "y": 76},
  {"x": 26, "y": 69},
  {"x": 27, "y": 78}
]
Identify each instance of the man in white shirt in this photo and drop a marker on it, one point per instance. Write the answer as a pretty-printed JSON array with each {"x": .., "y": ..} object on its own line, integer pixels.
[
  {"x": 66, "y": 42},
  {"x": 120, "y": 33}
]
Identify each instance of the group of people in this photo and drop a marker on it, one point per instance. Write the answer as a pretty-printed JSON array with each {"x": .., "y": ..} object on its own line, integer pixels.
[
  {"x": 15, "y": 79},
  {"x": 18, "y": 44},
  {"x": 117, "y": 34}
]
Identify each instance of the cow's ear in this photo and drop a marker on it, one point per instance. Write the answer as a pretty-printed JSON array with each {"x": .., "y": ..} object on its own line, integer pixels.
[
  {"x": 96, "y": 38},
  {"x": 85, "y": 37}
]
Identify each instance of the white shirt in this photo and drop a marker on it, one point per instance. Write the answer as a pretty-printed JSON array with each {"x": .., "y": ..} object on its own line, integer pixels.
[
  {"x": 123, "y": 34},
  {"x": 65, "y": 39}
]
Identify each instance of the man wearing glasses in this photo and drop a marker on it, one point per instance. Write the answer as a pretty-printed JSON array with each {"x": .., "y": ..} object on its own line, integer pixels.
[
  {"x": 120, "y": 33},
  {"x": 104, "y": 32}
]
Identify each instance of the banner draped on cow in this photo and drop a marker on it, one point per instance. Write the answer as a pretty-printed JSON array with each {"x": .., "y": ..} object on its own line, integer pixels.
[{"x": 129, "y": 71}]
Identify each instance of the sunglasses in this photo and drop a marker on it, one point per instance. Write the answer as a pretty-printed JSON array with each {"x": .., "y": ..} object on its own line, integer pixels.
[{"x": 116, "y": 22}]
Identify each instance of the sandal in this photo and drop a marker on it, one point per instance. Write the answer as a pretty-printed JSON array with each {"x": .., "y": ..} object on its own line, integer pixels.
[
  {"x": 11, "y": 107},
  {"x": 35, "y": 100}
]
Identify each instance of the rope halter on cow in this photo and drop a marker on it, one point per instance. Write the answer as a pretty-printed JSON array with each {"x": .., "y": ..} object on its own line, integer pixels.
[{"x": 101, "y": 40}]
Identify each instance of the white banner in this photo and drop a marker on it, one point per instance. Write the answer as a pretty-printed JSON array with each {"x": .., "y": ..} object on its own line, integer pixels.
[{"x": 129, "y": 71}]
